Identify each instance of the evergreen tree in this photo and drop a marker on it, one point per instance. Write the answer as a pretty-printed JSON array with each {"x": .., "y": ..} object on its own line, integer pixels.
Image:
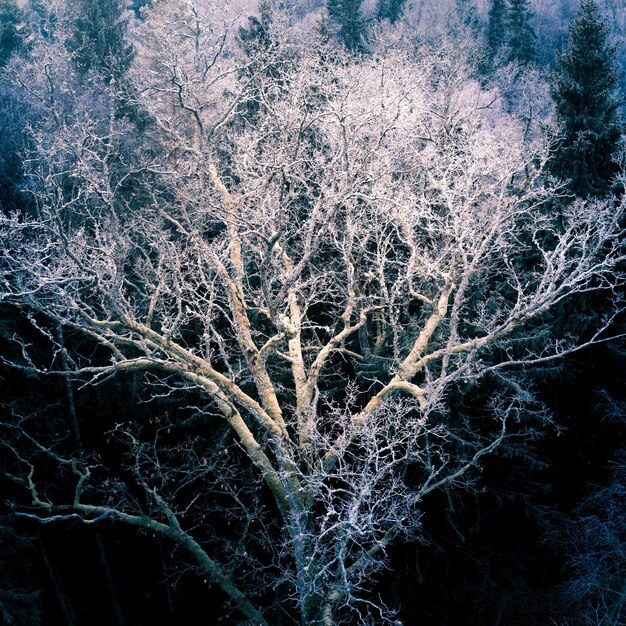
[
  {"x": 587, "y": 124},
  {"x": 391, "y": 10},
  {"x": 522, "y": 37},
  {"x": 11, "y": 29},
  {"x": 15, "y": 113},
  {"x": 496, "y": 26},
  {"x": 99, "y": 40},
  {"x": 259, "y": 47},
  {"x": 136, "y": 5},
  {"x": 347, "y": 16},
  {"x": 256, "y": 36},
  {"x": 467, "y": 14}
]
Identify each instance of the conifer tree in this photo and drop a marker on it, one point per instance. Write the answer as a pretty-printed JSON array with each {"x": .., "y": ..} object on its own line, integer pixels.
[
  {"x": 496, "y": 26},
  {"x": 15, "y": 114},
  {"x": 99, "y": 37},
  {"x": 11, "y": 29},
  {"x": 347, "y": 16},
  {"x": 466, "y": 14},
  {"x": 136, "y": 5},
  {"x": 522, "y": 37},
  {"x": 257, "y": 43},
  {"x": 255, "y": 38},
  {"x": 586, "y": 108},
  {"x": 391, "y": 10}
]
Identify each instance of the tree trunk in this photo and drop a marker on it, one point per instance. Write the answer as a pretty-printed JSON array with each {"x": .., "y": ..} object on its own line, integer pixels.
[
  {"x": 104, "y": 561},
  {"x": 108, "y": 579},
  {"x": 65, "y": 604},
  {"x": 500, "y": 606}
]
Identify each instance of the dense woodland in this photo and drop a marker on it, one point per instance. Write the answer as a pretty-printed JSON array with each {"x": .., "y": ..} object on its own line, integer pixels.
[{"x": 312, "y": 312}]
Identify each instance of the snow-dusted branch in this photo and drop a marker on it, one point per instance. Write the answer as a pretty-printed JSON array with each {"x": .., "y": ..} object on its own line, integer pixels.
[{"x": 318, "y": 252}]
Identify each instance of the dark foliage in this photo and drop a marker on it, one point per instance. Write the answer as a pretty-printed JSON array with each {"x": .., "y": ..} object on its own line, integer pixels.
[
  {"x": 588, "y": 127},
  {"x": 480, "y": 558},
  {"x": 348, "y": 19},
  {"x": 522, "y": 36},
  {"x": 12, "y": 30},
  {"x": 99, "y": 41},
  {"x": 391, "y": 10},
  {"x": 19, "y": 597},
  {"x": 496, "y": 26}
]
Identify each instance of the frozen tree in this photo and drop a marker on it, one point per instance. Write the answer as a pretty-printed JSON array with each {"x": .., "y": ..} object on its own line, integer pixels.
[
  {"x": 595, "y": 542},
  {"x": 314, "y": 286}
]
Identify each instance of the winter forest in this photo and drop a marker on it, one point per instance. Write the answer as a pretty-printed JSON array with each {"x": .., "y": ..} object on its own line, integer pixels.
[{"x": 312, "y": 312}]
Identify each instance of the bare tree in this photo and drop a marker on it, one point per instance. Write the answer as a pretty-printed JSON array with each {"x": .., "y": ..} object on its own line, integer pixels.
[{"x": 320, "y": 281}]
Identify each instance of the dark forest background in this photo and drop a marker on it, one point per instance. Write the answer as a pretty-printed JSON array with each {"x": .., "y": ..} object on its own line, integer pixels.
[{"x": 539, "y": 536}]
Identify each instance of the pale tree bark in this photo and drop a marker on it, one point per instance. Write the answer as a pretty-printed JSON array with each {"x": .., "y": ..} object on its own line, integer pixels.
[{"x": 320, "y": 281}]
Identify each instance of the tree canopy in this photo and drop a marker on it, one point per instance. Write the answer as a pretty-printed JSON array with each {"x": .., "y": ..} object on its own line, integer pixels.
[{"x": 282, "y": 304}]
